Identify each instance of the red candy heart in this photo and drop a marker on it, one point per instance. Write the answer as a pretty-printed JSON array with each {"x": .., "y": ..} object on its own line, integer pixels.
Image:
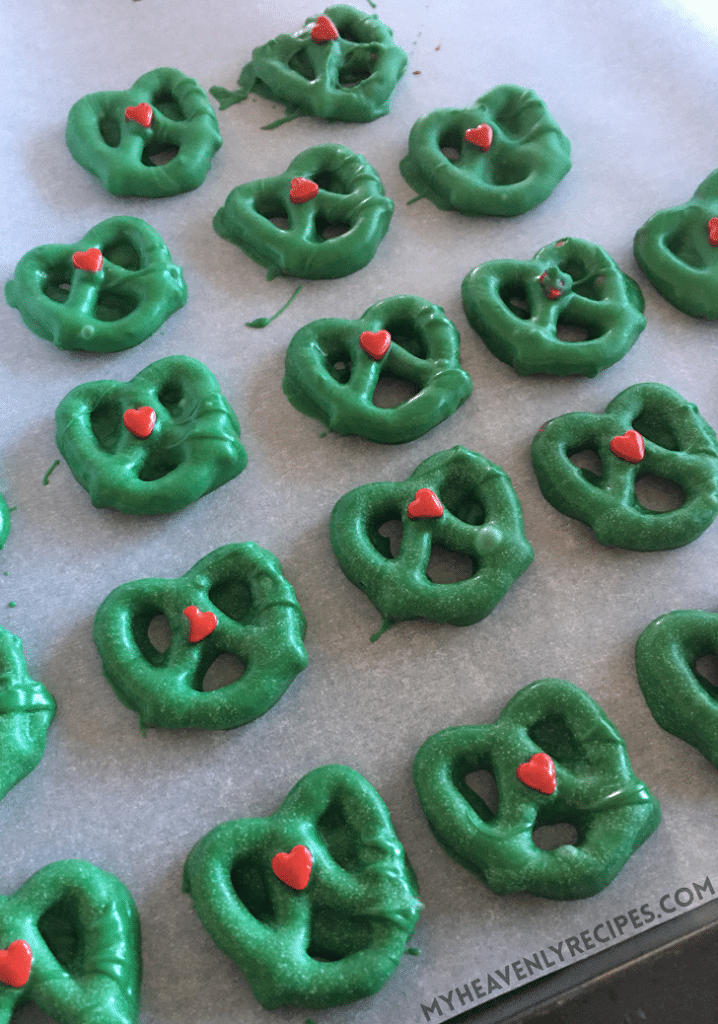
[
  {"x": 91, "y": 259},
  {"x": 140, "y": 422},
  {"x": 324, "y": 30},
  {"x": 481, "y": 136},
  {"x": 15, "y": 962},
  {"x": 628, "y": 446},
  {"x": 375, "y": 343},
  {"x": 142, "y": 113},
  {"x": 539, "y": 772},
  {"x": 301, "y": 190},
  {"x": 201, "y": 624},
  {"x": 713, "y": 231},
  {"x": 425, "y": 505},
  {"x": 293, "y": 868}
]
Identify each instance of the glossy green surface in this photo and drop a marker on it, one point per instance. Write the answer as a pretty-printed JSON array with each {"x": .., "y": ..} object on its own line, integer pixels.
[
  {"x": 673, "y": 250},
  {"x": 596, "y": 791},
  {"x": 482, "y": 520},
  {"x": 681, "y": 699},
  {"x": 193, "y": 448},
  {"x": 341, "y": 937},
  {"x": 116, "y": 307},
  {"x": 351, "y": 197},
  {"x": 259, "y": 622},
  {"x": 26, "y": 711},
  {"x": 507, "y": 304},
  {"x": 120, "y": 152},
  {"x": 82, "y": 926},
  {"x": 527, "y": 158},
  {"x": 347, "y": 79},
  {"x": 680, "y": 447},
  {"x": 328, "y": 374},
  {"x": 4, "y": 521}
]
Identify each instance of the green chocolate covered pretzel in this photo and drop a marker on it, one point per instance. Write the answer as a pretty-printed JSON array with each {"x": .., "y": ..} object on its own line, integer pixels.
[
  {"x": 646, "y": 430},
  {"x": 333, "y": 367},
  {"x": 343, "y": 65},
  {"x": 109, "y": 292},
  {"x": 26, "y": 711},
  {"x": 316, "y": 902},
  {"x": 511, "y": 154},
  {"x": 677, "y": 249},
  {"x": 72, "y": 937},
  {"x": 457, "y": 499},
  {"x": 556, "y": 758},
  {"x": 325, "y": 189},
  {"x": 118, "y": 135},
  {"x": 152, "y": 445},
  {"x": 233, "y": 601},
  {"x": 519, "y": 307},
  {"x": 680, "y": 698}
]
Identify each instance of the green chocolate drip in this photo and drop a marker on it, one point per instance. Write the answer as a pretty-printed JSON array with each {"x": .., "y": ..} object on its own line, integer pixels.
[
  {"x": 477, "y": 496},
  {"x": 259, "y": 621},
  {"x": 114, "y": 308},
  {"x": 120, "y": 152},
  {"x": 350, "y": 195},
  {"x": 4, "y": 521},
  {"x": 265, "y": 321},
  {"x": 674, "y": 251},
  {"x": 681, "y": 700},
  {"x": 82, "y": 926},
  {"x": 596, "y": 791},
  {"x": 424, "y": 353},
  {"x": 507, "y": 304},
  {"x": 528, "y": 155},
  {"x": 26, "y": 711},
  {"x": 679, "y": 446},
  {"x": 350, "y": 78},
  {"x": 343, "y": 935},
  {"x": 46, "y": 478},
  {"x": 193, "y": 448}
]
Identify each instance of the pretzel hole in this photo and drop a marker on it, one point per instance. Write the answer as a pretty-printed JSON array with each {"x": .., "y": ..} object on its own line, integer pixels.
[
  {"x": 171, "y": 396},
  {"x": 159, "y": 633},
  {"x": 391, "y": 392},
  {"x": 706, "y": 672},
  {"x": 233, "y": 598},
  {"x": 106, "y": 423},
  {"x": 57, "y": 284},
  {"x": 590, "y": 287},
  {"x": 270, "y": 207},
  {"x": 110, "y": 130},
  {"x": 122, "y": 253},
  {"x": 553, "y": 736},
  {"x": 249, "y": 884},
  {"x": 167, "y": 105},
  {"x": 159, "y": 464},
  {"x": 61, "y": 926},
  {"x": 654, "y": 427},
  {"x": 356, "y": 68},
  {"x": 568, "y": 330},
  {"x": 484, "y": 797},
  {"x": 451, "y": 143},
  {"x": 280, "y": 222},
  {"x": 550, "y": 837},
  {"x": 302, "y": 65},
  {"x": 342, "y": 839},
  {"x": 447, "y": 566},
  {"x": 224, "y": 670},
  {"x": 404, "y": 334},
  {"x": 341, "y": 370},
  {"x": 333, "y": 936},
  {"x": 657, "y": 494},
  {"x": 450, "y": 153},
  {"x": 327, "y": 229},
  {"x": 590, "y": 464},
  {"x": 156, "y": 154},
  {"x": 515, "y": 118},
  {"x": 388, "y": 542},
  {"x": 459, "y": 498},
  {"x": 113, "y": 306},
  {"x": 513, "y": 295},
  {"x": 508, "y": 171},
  {"x": 682, "y": 244}
]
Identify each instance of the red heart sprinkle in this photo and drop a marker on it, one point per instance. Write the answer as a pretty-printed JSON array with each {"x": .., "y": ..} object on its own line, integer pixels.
[
  {"x": 293, "y": 868},
  {"x": 140, "y": 422},
  {"x": 375, "y": 343},
  {"x": 90, "y": 259},
  {"x": 425, "y": 505},
  {"x": 539, "y": 772},
  {"x": 201, "y": 624},
  {"x": 628, "y": 446},
  {"x": 481, "y": 136},
  {"x": 142, "y": 113},
  {"x": 301, "y": 190},
  {"x": 15, "y": 962},
  {"x": 550, "y": 293},
  {"x": 713, "y": 231},
  {"x": 324, "y": 30}
]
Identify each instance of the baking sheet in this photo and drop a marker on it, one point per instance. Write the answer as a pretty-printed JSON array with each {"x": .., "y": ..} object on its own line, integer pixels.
[{"x": 632, "y": 85}]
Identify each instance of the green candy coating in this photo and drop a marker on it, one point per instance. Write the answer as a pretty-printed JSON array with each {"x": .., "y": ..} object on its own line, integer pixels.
[
  {"x": 4, "y": 521},
  {"x": 681, "y": 700},
  {"x": 528, "y": 155},
  {"x": 481, "y": 520},
  {"x": 596, "y": 792},
  {"x": 346, "y": 79},
  {"x": 116, "y": 307},
  {"x": 674, "y": 252},
  {"x": 193, "y": 448},
  {"x": 82, "y": 926},
  {"x": 424, "y": 351},
  {"x": 26, "y": 711},
  {"x": 120, "y": 152},
  {"x": 343, "y": 935},
  {"x": 259, "y": 621},
  {"x": 510, "y": 305},
  {"x": 679, "y": 446},
  {"x": 350, "y": 195}
]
